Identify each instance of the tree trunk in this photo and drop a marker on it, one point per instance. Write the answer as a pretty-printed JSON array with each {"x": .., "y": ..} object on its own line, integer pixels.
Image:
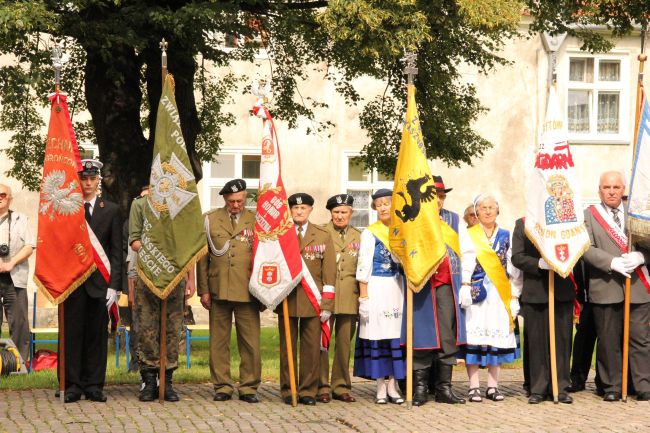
[{"x": 114, "y": 104}]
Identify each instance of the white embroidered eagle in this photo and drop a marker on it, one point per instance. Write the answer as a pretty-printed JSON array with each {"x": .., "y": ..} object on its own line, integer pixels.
[{"x": 54, "y": 198}]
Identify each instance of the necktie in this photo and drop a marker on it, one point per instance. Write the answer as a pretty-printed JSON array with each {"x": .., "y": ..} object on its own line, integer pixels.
[
  {"x": 233, "y": 221},
  {"x": 615, "y": 217},
  {"x": 342, "y": 234},
  {"x": 300, "y": 232},
  {"x": 87, "y": 211}
]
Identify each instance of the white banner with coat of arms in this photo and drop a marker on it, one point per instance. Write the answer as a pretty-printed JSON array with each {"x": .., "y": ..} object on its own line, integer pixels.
[{"x": 554, "y": 213}]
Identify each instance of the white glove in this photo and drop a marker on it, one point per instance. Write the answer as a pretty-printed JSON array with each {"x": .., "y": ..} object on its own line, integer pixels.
[
  {"x": 633, "y": 260},
  {"x": 111, "y": 297},
  {"x": 325, "y": 315},
  {"x": 465, "y": 296},
  {"x": 364, "y": 309},
  {"x": 543, "y": 265},
  {"x": 618, "y": 265},
  {"x": 514, "y": 307}
]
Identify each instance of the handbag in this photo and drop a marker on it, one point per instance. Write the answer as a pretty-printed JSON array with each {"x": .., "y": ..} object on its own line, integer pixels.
[{"x": 478, "y": 291}]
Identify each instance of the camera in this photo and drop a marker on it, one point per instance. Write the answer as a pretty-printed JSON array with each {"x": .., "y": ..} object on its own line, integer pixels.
[{"x": 4, "y": 250}]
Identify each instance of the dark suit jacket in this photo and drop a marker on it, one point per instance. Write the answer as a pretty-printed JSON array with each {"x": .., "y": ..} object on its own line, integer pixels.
[
  {"x": 106, "y": 223},
  {"x": 526, "y": 257},
  {"x": 607, "y": 286}
]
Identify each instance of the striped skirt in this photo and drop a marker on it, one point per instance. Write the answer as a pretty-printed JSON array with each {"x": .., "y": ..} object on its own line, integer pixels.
[
  {"x": 488, "y": 355},
  {"x": 374, "y": 359}
]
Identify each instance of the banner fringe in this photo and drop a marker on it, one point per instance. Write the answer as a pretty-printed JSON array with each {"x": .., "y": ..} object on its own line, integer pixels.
[
  {"x": 177, "y": 279},
  {"x": 417, "y": 288},
  {"x": 286, "y": 292},
  {"x": 71, "y": 288},
  {"x": 572, "y": 264},
  {"x": 638, "y": 226}
]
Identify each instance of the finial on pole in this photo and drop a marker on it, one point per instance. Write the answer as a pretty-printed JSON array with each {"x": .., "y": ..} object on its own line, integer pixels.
[
  {"x": 163, "y": 47},
  {"x": 411, "y": 69},
  {"x": 261, "y": 88},
  {"x": 57, "y": 64}
]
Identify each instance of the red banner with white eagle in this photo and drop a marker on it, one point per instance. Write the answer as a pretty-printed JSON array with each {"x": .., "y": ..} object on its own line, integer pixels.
[
  {"x": 554, "y": 215},
  {"x": 67, "y": 251},
  {"x": 277, "y": 264}
]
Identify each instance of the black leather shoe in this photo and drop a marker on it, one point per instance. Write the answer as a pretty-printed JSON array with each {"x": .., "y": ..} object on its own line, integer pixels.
[
  {"x": 599, "y": 392},
  {"x": 612, "y": 396},
  {"x": 643, "y": 396},
  {"x": 249, "y": 398},
  {"x": 222, "y": 396},
  {"x": 536, "y": 398},
  {"x": 96, "y": 395},
  {"x": 309, "y": 401},
  {"x": 287, "y": 400},
  {"x": 576, "y": 387},
  {"x": 71, "y": 397},
  {"x": 564, "y": 398}
]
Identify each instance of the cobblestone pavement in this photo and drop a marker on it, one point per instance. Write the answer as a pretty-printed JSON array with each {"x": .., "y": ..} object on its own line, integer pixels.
[{"x": 38, "y": 411}]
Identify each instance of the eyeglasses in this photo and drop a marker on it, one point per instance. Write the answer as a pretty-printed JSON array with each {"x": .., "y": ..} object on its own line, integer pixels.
[
  {"x": 3, "y": 195},
  {"x": 486, "y": 208}
]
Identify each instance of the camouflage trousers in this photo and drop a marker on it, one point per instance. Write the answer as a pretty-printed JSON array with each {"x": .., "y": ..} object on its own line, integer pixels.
[{"x": 148, "y": 309}]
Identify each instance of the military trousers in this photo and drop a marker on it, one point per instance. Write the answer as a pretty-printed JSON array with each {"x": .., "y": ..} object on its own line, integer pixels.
[
  {"x": 343, "y": 326},
  {"x": 13, "y": 303},
  {"x": 307, "y": 380},
  {"x": 148, "y": 309},
  {"x": 247, "y": 325}
]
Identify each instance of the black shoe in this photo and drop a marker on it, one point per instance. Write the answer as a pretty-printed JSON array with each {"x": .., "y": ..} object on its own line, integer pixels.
[
  {"x": 643, "y": 396},
  {"x": 599, "y": 392},
  {"x": 222, "y": 396},
  {"x": 287, "y": 400},
  {"x": 420, "y": 381},
  {"x": 576, "y": 387},
  {"x": 444, "y": 391},
  {"x": 71, "y": 397},
  {"x": 249, "y": 398},
  {"x": 309, "y": 401},
  {"x": 612, "y": 396},
  {"x": 526, "y": 388},
  {"x": 564, "y": 398},
  {"x": 536, "y": 398},
  {"x": 149, "y": 391},
  {"x": 96, "y": 395},
  {"x": 170, "y": 393}
]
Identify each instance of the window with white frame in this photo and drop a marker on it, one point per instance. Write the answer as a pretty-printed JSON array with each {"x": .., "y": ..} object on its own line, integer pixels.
[
  {"x": 598, "y": 98},
  {"x": 228, "y": 165},
  {"x": 360, "y": 184}
]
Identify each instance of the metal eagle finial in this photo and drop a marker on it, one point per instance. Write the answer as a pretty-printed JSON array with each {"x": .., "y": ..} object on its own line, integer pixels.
[
  {"x": 411, "y": 69},
  {"x": 57, "y": 63},
  {"x": 163, "y": 46}
]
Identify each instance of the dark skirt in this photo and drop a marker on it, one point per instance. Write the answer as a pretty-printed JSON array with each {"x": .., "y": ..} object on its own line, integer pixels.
[{"x": 375, "y": 359}]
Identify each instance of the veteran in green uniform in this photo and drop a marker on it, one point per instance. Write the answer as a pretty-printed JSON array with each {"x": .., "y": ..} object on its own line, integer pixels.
[
  {"x": 318, "y": 254},
  {"x": 222, "y": 278},
  {"x": 346, "y": 306}
]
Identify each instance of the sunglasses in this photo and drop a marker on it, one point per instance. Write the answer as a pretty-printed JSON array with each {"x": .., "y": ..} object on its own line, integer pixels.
[{"x": 3, "y": 195}]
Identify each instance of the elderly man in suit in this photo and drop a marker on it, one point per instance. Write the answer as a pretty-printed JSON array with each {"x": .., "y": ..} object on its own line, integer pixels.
[
  {"x": 534, "y": 298},
  {"x": 319, "y": 256},
  {"x": 223, "y": 277},
  {"x": 86, "y": 314},
  {"x": 609, "y": 264},
  {"x": 347, "y": 240}
]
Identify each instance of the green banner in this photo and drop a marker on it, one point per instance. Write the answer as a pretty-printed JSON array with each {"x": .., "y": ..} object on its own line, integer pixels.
[{"x": 173, "y": 238}]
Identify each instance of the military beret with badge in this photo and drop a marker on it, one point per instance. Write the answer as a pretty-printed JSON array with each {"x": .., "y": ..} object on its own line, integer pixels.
[
  {"x": 300, "y": 198},
  {"x": 235, "y": 185},
  {"x": 339, "y": 200}
]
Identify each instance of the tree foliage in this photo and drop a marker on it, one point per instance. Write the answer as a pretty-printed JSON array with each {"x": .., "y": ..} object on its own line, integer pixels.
[{"x": 113, "y": 69}]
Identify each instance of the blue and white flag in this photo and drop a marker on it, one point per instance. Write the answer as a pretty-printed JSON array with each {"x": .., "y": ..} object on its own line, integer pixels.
[{"x": 639, "y": 197}]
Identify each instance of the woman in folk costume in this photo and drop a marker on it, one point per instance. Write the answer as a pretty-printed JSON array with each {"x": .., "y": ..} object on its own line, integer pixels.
[
  {"x": 381, "y": 283},
  {"x": 490, "y": 301}
]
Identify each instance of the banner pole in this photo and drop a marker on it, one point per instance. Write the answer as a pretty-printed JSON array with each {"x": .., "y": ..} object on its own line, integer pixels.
[
  {"x": 61, "y": 353},
  {"x": 163, "y": 309},
  {"x": 628, "y": 290},
  {"x": 409, "y": 348},
  {"x": 288, "y": 344},
  {"x": 551, "y": 333}
]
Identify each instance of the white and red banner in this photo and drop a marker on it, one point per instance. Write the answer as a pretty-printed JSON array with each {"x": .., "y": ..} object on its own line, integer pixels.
[{"x": 554, "y": 216}]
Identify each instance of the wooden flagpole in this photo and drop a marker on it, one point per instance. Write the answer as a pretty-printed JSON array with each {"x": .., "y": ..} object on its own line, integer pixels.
[
  {"x": 551, "y": 333},
  {"x": 163, "y": 308},
  {"x": 626, "y": 306},
  {"x": 56, "y": 63},
  {"x": 288, "y": 344}
]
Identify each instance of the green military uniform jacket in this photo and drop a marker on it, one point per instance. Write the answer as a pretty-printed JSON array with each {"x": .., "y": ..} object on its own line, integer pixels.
[
  {"x": 347, "y": 286},
  {"x": 226, "y": 277},
  {"x": 317, "y": 250},
  {"x": 136, "y": 217}
]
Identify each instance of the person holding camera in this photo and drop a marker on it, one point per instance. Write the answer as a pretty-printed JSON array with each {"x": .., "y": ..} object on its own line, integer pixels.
[{"x": 16, "y": 245}]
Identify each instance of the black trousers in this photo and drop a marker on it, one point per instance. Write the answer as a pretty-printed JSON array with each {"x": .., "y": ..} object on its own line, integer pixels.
[
  {"x": 86, "y": 342},
  {"x": 583, "y": 346},
  {"x": 537, "y": 330},
  {"x": 446, "y": 313}
]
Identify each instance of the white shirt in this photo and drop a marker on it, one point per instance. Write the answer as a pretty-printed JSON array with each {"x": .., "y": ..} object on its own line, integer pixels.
[{"x": 92, "y": 204}]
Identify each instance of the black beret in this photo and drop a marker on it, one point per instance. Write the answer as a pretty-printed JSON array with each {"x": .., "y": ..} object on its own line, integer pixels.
[
  {"x": 235, "y": 185},
  {"x": 301, "y": 198},
  {"x": 384, "y": 192},
  {"x": 90, "y": 167},
  {"x": 339, "y": 200}
]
